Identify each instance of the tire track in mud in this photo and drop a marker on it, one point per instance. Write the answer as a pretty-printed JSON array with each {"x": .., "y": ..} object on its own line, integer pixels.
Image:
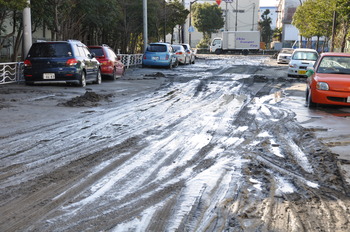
[{"x": 209, "y": 154}]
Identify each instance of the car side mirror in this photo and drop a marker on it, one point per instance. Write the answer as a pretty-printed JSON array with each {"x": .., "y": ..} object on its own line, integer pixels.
[
  {"x": 92, "y": 55},
  {"x": 310, "y": 72}
]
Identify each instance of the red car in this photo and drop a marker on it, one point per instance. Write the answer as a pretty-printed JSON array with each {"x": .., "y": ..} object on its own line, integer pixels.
[
  {"x": 329, "y": 81},
  {"x": 111, "y": 65}
]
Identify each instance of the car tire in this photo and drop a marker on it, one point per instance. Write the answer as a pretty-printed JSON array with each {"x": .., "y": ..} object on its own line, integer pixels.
[
  {"x": 98, "y": 77},
  {"x": 218, "y": 51},
  {"x": 114, "y": 75},
  {"x": 170, "y": 66},
  {"x": 309, "y": 101},
  {"x": 176, "y": 64},
  {"x": 194, "y": 61},
  {"x": 82, "y": 81}
]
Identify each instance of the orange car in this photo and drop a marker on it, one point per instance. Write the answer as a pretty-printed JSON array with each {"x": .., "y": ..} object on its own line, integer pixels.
[{"x": 328, "y": 81}]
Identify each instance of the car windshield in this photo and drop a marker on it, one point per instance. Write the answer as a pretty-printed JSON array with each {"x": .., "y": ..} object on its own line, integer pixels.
[
  {"x": 302, "y": 55},
  {"x": 177, "y": 47},
  {"x": 156, "y": 48},
  {"x": 50, "y": 50},
  {"x": 97, "y": 51},
  {"x": 287, "y": 51},
  {"x": 334, "y": 65}
]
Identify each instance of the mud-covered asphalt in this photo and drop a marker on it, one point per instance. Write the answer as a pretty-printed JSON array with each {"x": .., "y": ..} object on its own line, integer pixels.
[{"x": 225, "y": 144}]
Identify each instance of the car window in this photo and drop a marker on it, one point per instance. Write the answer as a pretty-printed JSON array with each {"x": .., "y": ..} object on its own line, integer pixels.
[
  {"x": 111, "y": 54},
  {"x": 50, "y": 50},
  {"x": 178, "y": 48},
  {"x": 334, "y": 64},
  {"x": 302, "y": 55},
  {"x": 288, "y": 51},
  {"x": 156, "y": 48},
  {"x": 97, "y": 51}
]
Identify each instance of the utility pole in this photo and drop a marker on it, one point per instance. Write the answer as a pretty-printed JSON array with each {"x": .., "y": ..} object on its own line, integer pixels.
[
  {"x": 333, "y": 30},
  {"x": 253, "y": 16},
  {"x": 145, "y": 25},
  {"x": 236, "y": 25},
  {"x": 27, "y": 30}
]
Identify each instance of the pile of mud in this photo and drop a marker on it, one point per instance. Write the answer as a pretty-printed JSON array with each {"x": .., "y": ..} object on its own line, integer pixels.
[{"x": 89, "y": 99}]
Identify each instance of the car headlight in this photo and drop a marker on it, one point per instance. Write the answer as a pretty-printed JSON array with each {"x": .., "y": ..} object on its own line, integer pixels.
[
  {"x": 293, "y": 65},
  {"x": 322, "y": 86}
]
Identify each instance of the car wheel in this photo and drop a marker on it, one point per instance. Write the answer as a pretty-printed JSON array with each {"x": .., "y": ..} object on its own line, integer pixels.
[
  {"x": 218, "y": 51},
  {"x": 82, "y": 81},
  {"x": 309, "y": 101},
  {"x": 98, "y": 77},
  {"x": 170, "y": 66},
  {"x": 176, "y": 63},
  {"x": 194, "y": 61},
  {"x": 114, "y": 75}
]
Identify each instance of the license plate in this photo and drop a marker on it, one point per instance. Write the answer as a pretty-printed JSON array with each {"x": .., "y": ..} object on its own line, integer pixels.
[
  {"x": 302, "y": 72},
  {"x": 348, "y": 99},
  {"x": 155, "y": 58},
  {"x": 49, "y": 76}
]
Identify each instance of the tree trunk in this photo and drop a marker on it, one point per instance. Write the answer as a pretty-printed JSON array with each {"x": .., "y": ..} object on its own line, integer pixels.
[
  {"x": 345, "y": 33},
  {"x": 17, "y": 44}
]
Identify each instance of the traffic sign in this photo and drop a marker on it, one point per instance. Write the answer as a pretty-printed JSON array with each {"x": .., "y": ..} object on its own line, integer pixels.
[
  {"x": 228, "y": 1},
  {"x": 218, "y": 2}
]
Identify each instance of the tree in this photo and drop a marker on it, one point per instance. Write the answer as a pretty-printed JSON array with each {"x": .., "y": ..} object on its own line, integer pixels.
[
  {"x": 11, "y": 11},
  {"x": 265, "y": 27},
  {"x": 177, "y": 15},
  {"x": 343, "y": 7},
  {"x": 314, "y": 18},
  {"x": 207, "y": 18}
]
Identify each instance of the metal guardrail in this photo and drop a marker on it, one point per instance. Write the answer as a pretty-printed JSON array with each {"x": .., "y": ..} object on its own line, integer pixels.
[
  {"x": 13, "y": 71},
  {"x": 131, "y": 60}
]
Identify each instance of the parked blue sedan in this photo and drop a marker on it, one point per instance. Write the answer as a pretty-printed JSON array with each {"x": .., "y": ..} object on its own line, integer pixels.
[{"x": 159, "y": 54}]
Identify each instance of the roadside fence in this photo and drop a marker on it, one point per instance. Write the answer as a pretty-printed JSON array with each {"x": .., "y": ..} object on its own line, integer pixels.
[
  {"x": 13, "y": 71},
  {"x": 130, "y": 60}
]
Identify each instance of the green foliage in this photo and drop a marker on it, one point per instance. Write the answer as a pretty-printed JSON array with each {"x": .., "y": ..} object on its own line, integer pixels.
[
  {"x": 314, "y": 18},
  {"x": 265, "y": 27},
  {"x": 13, "y": 4},
  {"x": 207, "y": 18},
  {"x": 204, "y": 43}
]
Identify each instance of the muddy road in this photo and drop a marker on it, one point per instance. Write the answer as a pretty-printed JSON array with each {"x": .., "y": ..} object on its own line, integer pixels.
[{"x": 214, "y": 146}]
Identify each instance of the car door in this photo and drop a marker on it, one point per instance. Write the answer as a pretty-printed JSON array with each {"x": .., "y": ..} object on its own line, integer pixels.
[{"x": 119, "y": 66}]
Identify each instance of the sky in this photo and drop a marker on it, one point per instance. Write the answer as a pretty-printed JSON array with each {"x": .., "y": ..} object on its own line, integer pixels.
[{"x": 269, "y": 2}]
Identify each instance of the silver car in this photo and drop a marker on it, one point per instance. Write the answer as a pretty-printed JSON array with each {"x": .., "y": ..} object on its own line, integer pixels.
[
  {"x": 284, "y": 55},
  {"x": 181, "y": 54},
  {"x": 190, "y": 52}
]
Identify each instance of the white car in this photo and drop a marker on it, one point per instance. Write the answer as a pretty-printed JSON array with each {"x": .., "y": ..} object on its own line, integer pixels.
[
  {"x": 190, "y": 52},
  {"x": 284, "y": 55},
  {"x": 181, "y": 54},
  {"x": 301, "y": 60}
]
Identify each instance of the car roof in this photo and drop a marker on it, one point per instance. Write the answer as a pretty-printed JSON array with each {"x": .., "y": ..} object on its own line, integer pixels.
[
  {"x": 335, "y": 54},
  {"x": 159, "y": 43},
  {"x": 304, "y": 50}
]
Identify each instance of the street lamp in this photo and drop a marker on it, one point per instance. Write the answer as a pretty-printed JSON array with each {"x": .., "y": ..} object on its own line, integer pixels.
[{"x": 190, "y": 23}]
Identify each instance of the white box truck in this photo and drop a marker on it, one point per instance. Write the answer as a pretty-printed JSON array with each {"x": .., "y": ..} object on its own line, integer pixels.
[{"x": 236, "y": 41}]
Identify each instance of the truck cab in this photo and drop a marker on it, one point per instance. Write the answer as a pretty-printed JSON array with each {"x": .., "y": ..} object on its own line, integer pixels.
[{"x": 216, "y": 45}]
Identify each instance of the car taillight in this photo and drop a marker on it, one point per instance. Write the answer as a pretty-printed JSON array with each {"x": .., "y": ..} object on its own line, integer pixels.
[
  {"x": 167, "y": 57},
  {"x": 71, "y": 62},
  {"x": 179, "y": 53},
  {"x": 105, "y": 62},
  {"x": 27, "y": 63},
  {"x": 144, "y": 57}
]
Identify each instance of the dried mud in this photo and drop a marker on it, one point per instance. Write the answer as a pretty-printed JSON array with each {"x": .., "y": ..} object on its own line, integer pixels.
[{"x": 206, "y": 147}]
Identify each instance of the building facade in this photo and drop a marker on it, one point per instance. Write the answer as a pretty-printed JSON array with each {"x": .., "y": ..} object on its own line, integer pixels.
[
  {"x": 239, "y": 15},
  {"x": 286, "y": 10}
]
